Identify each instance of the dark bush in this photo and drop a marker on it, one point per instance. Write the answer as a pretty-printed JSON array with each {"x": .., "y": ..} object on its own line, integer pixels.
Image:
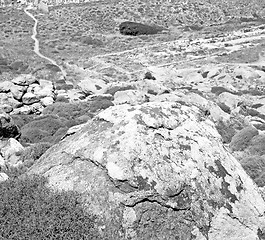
[
  {"x": 219, "y": 90},
  {"x": 21, "y": 120},
  {"x": 40, "y": 128},
  {"x": 257, "y": 145},
  {"x": 100, "y": 104},
  {"x": 226, "y": 131},
  {"x": 135, "y": 29},
  {"x": 255, "y": 167},
  {"x": 224, "y": 108},
  {"x": 149, "y": 75},
  {"x": 48, "y": 123},
  {"x": 30, "y": 210},
  {"x": 32, "y": 135},
  {"x": 115, "y": 89},
  {"x": 241, "y": 139},
  {"x": 35, "y": 151}
]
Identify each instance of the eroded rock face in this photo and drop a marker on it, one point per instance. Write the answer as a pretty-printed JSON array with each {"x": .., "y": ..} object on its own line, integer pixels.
[{"x": 157, "y": 171}]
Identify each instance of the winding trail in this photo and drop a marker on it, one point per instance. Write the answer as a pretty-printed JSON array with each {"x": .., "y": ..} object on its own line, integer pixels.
[{"x": 37, "y": 44}]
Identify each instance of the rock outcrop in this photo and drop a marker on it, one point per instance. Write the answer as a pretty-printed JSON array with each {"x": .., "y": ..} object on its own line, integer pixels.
[{"x": 157, "y": 171}]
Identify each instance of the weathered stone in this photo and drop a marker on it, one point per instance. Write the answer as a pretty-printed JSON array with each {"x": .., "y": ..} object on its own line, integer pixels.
[
  {"x": 18, "y": 91},
  {"x": 92, "y": 86},
  {"x": 7, "y": 98},
  {"x": 3, "y": 177},
  {"x": 24, "y": 80},
  {"x": 132, "y": 97},
  {"x": 46, "y": 101},
  {"x": 229, "y": 99},
  {"x": 11, "y": 151},
  {"x": 25, "y": 110},
  {"x": 29, "y": 98},
  {"x": 157, "y": 171},
  {"x": 2, "y": 162},
  {"x": 6, "y": 86},
  {"x": 246, "y": 73}
]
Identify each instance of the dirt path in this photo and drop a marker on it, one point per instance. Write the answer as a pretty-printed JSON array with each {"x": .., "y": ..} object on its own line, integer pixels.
[{"x": 37, "y": 44}]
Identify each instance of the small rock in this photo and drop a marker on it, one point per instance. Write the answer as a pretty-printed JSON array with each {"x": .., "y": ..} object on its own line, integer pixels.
[
  {"x": 246, "y": 73},
  {"x": 46, "y": 101},
  {"x": 24, "y": 80},
  {"x": 3, "y": 177},
  {"x": 7, "y": 98},
  {"x": 2, "y": 162},
  {"x": 18, "y": 91},
  {"x": 92, "y": 86},
  {"x": 131, "y": 97},
  {"x": 29, "y": 98},
  {"x": 11, "y": 151},
  {"x": 25, "y": 110},
  {"x": 229, "y": 99},
  {"x": 6, "y": 86}
]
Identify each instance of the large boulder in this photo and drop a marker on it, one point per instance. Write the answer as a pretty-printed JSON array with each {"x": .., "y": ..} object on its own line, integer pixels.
[
  {"x": 157, "y": 171},
  {"x": 135, "y": 29}
]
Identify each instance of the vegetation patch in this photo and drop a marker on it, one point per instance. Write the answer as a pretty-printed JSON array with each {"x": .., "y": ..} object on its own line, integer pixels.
[
  {"x": 30, "y": 210},
  {"x": 241, "y": 140}
]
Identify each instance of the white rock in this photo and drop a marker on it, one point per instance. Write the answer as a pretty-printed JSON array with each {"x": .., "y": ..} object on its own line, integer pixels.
[
  {"x": 247, "y": 73},
  {"x": 131, "y": 97},
  {"x": 3, "y": 177},
  {"x": 18, "y": 91},
  {"x": 29, "y": 98},
  {"x": 46, "y": 101},
  {"x": 2, "y": 162},
  {"x": 5, "y": 86},
  {"x": 24, "y": 80},
  {"x": 11, "y": 151},
  {"x": 229, "y": 99},
  {"x": 91, "y": 85}
]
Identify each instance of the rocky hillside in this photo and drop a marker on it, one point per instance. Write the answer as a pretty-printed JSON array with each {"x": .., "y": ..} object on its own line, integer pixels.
[{"x": 161, "y": 134}]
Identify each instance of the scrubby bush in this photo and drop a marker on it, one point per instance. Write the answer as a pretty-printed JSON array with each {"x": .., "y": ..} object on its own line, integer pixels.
[
  {"x": 255, "y": 167},
  {"x": 240, "y": 141},
  {"x": 100, "y": 104},
  {"x": 48, "y": 123},
  {"x": 30, "y": 210},
  {"x": 135, "y": 29},
  {"x": 226, "y": 131},
  {"x": 32, "y": 135},
  {"x": 41, "y": 127},
  {"x": 35, "y": 151},
  {"x": 257, "y": 145},
  {"x": 219, "y": 90},
  {"x": 115, "y": 89}
]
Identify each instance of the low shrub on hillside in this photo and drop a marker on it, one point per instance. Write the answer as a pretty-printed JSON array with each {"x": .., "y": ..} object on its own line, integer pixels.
[
  {"x": 226, "y": 131},
  {"x": 255, "y": 167},
  {"x": 35, "y": 151},
  {"x": 30, "y": 210},
  {"x": 257, "y": 145},
  {"x": 241, "y": 139}
]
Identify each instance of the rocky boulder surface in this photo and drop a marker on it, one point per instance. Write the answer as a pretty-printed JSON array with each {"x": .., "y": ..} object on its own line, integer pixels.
[{"x": 157, "y": 171}]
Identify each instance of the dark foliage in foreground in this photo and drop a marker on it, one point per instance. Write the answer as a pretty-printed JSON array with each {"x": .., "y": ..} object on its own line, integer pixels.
[
  {"x": 135, "y": 29},
  {"x": 30, "y": 210}
]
